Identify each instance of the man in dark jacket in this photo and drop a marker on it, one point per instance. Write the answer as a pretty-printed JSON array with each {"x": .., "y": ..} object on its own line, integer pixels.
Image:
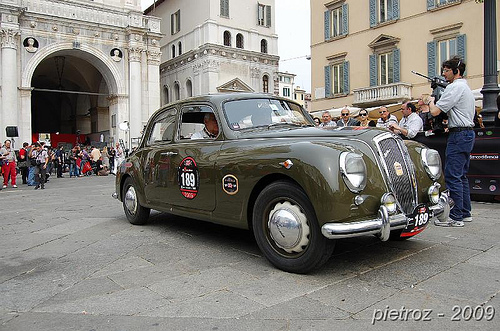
[{"x": 346, "y": 119}]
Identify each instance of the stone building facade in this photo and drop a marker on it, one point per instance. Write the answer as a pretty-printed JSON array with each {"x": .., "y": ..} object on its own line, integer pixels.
[
  {"x": 216, "y": 46},
  {"x": 363, "y": 52},
  {"x": 78, "y": 66}
]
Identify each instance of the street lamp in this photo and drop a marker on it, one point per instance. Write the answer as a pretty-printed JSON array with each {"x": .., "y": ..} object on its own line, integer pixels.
[{"x": 490, "y": 88}]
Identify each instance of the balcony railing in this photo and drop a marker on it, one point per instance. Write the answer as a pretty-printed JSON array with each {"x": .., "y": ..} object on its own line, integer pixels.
[{"x": 382, "y": 94}]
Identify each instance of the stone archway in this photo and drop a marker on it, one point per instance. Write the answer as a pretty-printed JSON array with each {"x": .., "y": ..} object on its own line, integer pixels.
[{"x": 100, "y": 100}]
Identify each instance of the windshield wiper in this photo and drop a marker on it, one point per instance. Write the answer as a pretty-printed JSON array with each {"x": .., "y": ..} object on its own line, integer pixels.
[{"x": 288, "y": 123}]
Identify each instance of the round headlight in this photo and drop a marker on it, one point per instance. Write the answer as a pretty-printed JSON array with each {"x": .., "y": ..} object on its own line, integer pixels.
[
  {"x": 353, "y": 171},
  {"x": 389, "y": 201},
  {"x": 432, "y": 162}
]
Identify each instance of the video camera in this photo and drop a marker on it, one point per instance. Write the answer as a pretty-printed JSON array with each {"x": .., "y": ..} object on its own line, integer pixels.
[{"x": 438, "y": 85}]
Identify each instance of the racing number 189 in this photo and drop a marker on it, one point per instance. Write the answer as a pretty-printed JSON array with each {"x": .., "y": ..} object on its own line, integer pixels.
[
  {"x": 188, "y": 179},
  {"x": 421, "y": 219}
]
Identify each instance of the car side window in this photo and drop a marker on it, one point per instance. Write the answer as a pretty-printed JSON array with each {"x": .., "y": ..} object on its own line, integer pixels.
[
  {"x": 163, "y": 129},
  {"x": 192, "y": 121}
]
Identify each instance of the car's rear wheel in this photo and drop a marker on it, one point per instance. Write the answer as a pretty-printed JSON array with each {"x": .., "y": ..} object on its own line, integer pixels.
[
  {"x": 287, "y": 231},
  {"x": 136, "y": 214}
]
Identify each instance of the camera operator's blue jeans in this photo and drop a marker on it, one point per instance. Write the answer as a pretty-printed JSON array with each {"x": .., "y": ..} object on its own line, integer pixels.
[{"x": 458, "y": 151}]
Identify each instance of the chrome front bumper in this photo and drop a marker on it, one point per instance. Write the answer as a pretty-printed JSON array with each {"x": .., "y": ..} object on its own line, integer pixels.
[{"x": 384, "y": 223}]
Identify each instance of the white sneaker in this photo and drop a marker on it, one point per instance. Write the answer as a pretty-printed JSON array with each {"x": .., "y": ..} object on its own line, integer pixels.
[
  {"x": 14, "y": 186},
  {"x": 450, "y": 223},
  {"x": 5, "y": 186},
  {"x": 467, "y": 219}
]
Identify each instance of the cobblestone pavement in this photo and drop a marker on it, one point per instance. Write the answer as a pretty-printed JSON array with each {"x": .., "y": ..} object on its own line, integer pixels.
[{"x": 69, "y": 260}]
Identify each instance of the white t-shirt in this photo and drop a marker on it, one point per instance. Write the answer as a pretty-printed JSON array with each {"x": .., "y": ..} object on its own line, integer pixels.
[
  {"x": 413, "y": 123},
  {"x": 457, "y": 101}
]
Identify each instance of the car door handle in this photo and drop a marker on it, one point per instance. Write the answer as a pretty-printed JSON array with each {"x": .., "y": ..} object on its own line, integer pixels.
[{"x": 169, "y": 154}]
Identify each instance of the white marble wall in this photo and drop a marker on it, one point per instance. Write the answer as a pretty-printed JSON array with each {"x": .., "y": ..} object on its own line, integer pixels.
[{"x": 88, "y": 30}]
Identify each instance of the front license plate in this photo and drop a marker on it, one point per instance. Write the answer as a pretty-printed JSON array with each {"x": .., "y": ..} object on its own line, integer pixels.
[{"x": 417, "y": 221}]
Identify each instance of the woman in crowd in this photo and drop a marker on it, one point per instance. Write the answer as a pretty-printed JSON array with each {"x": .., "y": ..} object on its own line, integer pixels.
[{"x": 363, "y": 118}]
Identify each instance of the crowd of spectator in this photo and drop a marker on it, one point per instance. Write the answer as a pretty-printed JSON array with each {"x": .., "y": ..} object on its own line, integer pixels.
[
  {"x": 38, "y": 161},
  {"x": 416, "y": 119}
]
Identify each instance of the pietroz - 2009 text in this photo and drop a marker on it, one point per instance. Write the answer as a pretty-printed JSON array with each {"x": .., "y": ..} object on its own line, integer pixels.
[{"x": 458, "y": 313}]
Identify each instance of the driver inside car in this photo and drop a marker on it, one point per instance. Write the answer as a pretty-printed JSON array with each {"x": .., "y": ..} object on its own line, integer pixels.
[{"x": 211, "y": 129}]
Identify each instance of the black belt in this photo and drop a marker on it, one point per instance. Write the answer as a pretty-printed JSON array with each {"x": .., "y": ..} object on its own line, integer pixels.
[{"x": 459, "y": 128}]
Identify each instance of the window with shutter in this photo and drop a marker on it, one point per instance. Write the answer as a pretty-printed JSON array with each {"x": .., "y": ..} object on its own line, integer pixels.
[
  {"x": 337, "y": 21},
  {"x": 268, "y": 16},
  {"x": 224, "y": 8},
  {"x": 264, "y": 15},
  {"x": 172, "y": 24},
  {"x": 433, "y": 4},
  {"x": 442, "y": 50},
  {"x": 346, "y": 77},
  {"x": 345, "y": 19},
  {"x": 328, "y": 82},
  {"x": 373, "y": 70},
  {"x": 373, "y": 13},
  {"x": 383, "y": 11},
  {"x": 175, "y": 22},
  {"x": 286, "y": 91},
  {"x": 327, "y": 25},
  {"x": 337, "y": 79},
  {"x": 431, "y": 59},
  {"x": 396, "y": 59}
]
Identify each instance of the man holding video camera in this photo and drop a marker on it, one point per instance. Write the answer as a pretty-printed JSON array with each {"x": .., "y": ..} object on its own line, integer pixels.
[{"x": 457, "y": 101}]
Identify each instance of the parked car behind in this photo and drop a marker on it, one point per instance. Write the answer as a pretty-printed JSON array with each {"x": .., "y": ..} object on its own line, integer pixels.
[{"x": 271, "y": 170}]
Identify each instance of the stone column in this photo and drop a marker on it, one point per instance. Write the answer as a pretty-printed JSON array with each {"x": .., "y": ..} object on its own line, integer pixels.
[
  {"x": 211, "y": 69},
  {"x": 25, "y": 120},
  {"x": 255, "y": 74},
  {"x": 9, "y": 113},
  {"x": 118, "y": 107},
  {"x": 135, "y": 94},
  {"x": 154, "y": 92}
]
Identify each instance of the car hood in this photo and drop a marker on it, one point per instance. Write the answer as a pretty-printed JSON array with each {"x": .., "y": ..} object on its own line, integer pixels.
[{"x": 307, "y": 132}]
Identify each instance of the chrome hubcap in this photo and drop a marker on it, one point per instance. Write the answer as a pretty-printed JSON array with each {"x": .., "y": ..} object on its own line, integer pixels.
[
  {"x": 131, "y": 200},
  {"x": 288, "y": 227}
]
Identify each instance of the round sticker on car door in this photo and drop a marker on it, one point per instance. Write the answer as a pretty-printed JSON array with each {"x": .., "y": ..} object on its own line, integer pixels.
[
  {"x": 230, "y": 184},
  {"x": 188, "y": 177}
]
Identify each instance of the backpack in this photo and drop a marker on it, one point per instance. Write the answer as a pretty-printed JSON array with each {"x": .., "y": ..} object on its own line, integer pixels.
[{"x": 19, "y": 155}]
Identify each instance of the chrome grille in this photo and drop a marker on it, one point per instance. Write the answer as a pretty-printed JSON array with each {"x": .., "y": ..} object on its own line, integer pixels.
[{"x": 395, "y": 159}]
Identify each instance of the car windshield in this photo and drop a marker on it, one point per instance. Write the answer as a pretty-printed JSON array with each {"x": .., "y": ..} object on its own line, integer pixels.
[{"x": 255, "y": 113}]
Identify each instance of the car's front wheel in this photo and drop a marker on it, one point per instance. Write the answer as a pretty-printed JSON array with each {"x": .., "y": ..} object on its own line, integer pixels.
[
  {"x": 287, "y": 231},
  {"x": 136, "y": 214}
]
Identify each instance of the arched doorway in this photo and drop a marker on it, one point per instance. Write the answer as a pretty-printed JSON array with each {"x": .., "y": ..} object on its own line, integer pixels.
[
  {"x": 69, "y": 95},
  {"x": 74, "y": 91}
]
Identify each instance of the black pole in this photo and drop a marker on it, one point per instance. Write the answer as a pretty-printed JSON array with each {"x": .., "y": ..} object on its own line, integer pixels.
[{"x": 490, "y": 89}]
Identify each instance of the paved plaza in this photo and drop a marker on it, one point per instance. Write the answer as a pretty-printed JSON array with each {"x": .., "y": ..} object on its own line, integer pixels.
[{"x": 69, "y": 260}]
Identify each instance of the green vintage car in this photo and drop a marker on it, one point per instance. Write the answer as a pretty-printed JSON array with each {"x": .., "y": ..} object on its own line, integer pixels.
[{"x": 270, "y": 169}]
